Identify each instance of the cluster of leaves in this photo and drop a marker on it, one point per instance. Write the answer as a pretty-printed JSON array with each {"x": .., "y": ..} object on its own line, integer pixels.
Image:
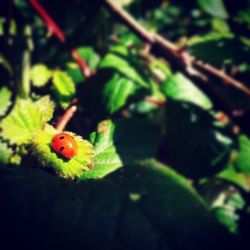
[{"x": 136, "y": 111}]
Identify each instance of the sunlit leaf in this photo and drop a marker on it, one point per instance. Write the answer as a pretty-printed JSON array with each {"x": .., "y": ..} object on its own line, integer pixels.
[
  {"x": 40, "y": 75},
  {"x": 68, "y": 168},
  {"x": 26, "y": 118},
  {"x": 63, "y": 87},
  {"x": 106, "y": 157}
]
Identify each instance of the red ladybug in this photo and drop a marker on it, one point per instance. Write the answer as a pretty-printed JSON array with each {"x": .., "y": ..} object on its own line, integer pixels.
[{"x": 65, "y": 145}]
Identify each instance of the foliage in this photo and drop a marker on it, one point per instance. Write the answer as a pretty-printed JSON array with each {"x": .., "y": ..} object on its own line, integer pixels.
[
  {"x": 5, "y": 95},
  {"x": 166, "y": 159},
  {"x": 105, "y": 209}
]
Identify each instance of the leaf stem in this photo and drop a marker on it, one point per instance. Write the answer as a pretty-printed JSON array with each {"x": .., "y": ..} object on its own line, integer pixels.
[{"x": 25, "y": 78}]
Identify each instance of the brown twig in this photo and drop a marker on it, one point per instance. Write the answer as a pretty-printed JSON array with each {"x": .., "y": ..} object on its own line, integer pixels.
[
  {"x": 65, "y": 118},
  {"x": 189, "y": 64}
]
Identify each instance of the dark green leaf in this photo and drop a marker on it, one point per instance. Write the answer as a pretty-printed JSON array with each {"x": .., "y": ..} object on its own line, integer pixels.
[
  {"x": 195, "y": 146},
  {"x": 116, "y": 92},
  {"x": 243, "y": 160},
  {"x": 103, "y": 215}
]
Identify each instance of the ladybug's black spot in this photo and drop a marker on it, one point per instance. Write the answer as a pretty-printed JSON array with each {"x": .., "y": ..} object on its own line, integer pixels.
[
  {"x": 61, "y": 149},
  {"x": 61, "y": 137}
]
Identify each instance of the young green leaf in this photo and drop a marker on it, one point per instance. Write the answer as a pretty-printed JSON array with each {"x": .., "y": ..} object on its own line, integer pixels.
[
  {"x": 116, "y": 92},
  {"x": 63, "y": 87},
  {"x": 180, "y": 88},
  {"x": 68, "y": 168},
  {"x": 26, "y": 118},
  {"x": 40, "y": 75},
  {"x": 5, "y": 102}
]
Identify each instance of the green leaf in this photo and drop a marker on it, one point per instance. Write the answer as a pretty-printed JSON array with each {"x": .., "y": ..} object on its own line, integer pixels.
[
  {"x": 5, "y": 153},
  {"x": 231, "y": 175},
  {"x": 68, "y": 168},
  {"x": 106, "y": 157},
  {"x": 123, "y": 66},
  {"x": 220, "y": 25},
  {"x": 5, "y": 102},
  {"x": 89, "y": 56},
  {"x": 103, "y": 214},
  {"x": 180, "y": 88},
  {"x": 243, "y": 16},
  {"x": 211, "y": 37},
  {"x": 40, "y": 75},
  {"x": 63, "y": 87},
  {"x": 122, "y": 142},
  {"x": 74, "y": 71},
  {"x": 243, "y": 160},
  {"x": 116, "y": 92},
  {"x": 26, "y": 118},
  {"x": 214, "y": 7}
]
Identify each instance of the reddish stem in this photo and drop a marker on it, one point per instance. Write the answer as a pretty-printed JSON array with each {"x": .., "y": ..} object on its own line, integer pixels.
[
  {"x": 54, "y": 29},
  {"x": 51, "y": 24},
  {"x": 65, "y": 118},
  {"x": 82, "y": 64}
]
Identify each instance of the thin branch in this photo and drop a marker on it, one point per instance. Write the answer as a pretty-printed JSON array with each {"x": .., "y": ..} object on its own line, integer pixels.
[
  {"x": 50, "y": 23},
  {"x": 65, "y": 118},
  {"x": 54, "y": 29},
  {"x": 189, "y": 64}
]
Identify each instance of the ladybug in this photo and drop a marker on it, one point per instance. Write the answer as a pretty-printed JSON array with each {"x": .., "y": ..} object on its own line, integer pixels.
[{"x": 65, "y": 145}]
